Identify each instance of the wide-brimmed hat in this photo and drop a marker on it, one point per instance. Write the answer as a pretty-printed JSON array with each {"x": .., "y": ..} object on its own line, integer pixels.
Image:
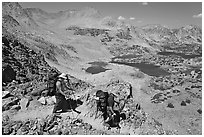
[{"x": 63, "y": 75}]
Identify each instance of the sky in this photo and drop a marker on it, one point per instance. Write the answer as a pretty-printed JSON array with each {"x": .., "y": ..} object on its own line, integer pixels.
[{"x": 169, "y": 14}]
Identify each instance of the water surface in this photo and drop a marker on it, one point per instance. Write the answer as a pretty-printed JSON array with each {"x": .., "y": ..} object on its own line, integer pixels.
[
  {"x": 185, "y": 56},
  {"x": 96, "y": 67},
  {"x": 149, "y": 69}
]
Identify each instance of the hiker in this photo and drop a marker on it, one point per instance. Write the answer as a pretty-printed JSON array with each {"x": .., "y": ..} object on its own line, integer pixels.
[
  {"x": 105, "y": 104},
  {"x": 61, "y": 86}
]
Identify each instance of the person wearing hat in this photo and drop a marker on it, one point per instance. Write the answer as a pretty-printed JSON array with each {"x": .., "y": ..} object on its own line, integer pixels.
[{"x": 61, "y": 86}]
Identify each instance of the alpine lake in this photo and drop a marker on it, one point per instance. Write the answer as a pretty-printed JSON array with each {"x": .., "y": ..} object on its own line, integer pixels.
[{"x": 145, "y": 67}]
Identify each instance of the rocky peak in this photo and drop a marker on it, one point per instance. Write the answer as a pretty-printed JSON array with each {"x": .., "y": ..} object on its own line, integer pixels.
[
  {"x": 157, "y": 28},
  {"x": 15, "y": 10},
  {"x": 162, "y": 35},
  {"x": 190, "y": 30},
  {"x": 191, "y": 27}
]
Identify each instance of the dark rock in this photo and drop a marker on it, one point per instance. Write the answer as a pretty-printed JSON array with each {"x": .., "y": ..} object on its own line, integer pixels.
[
  {"x": 199, "y": 111},
  {"x": 176, "y": 91},
  {"x": 188, "y": 101},
  {"x": 8, "y": 74},
  {"x": 138, "y": 107},
  {"x": 157, "y": 96},
  {"x": 170, "y": 105},
  {"x": 183, "y": 103}
]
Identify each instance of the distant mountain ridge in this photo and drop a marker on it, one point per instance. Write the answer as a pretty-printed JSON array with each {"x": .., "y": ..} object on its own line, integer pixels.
[
  {"x": 163, "y": 35},
  {"x": 15, "y": 10},
  {"x": 49, "y": 31}
]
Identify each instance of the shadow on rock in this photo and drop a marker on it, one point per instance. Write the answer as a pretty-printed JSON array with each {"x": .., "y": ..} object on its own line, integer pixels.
[{"x": 72, "y": 104}]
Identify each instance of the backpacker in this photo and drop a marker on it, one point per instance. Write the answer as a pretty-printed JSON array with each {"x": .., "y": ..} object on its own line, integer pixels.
[{"x": 51, "y": 83}]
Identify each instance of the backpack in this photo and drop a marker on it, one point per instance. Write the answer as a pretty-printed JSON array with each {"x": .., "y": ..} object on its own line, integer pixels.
[
  {"x": 105, "y": 100},
  {"x": 51, "y": 83}
]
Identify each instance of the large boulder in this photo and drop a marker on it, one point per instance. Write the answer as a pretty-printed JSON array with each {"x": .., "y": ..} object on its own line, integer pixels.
[
  {"x": 8, "y": 74},
  {"x": 121, "y": 89}
]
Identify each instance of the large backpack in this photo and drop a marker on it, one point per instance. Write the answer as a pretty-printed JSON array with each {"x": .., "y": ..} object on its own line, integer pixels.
[{"x": 51, "y": 83}]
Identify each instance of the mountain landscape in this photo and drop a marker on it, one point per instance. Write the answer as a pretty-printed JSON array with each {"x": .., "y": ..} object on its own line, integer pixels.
[{"x": 159, "y": 67}]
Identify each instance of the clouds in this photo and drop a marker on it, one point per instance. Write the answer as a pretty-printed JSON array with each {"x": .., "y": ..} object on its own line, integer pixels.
[
  {"x": 198, "y": 16},
  {"x": 135, "y": 20},
  {"x": 132, "y": 18},
  {"x": 144, "y": 3},
  {"x": 121, "y": 18}
]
